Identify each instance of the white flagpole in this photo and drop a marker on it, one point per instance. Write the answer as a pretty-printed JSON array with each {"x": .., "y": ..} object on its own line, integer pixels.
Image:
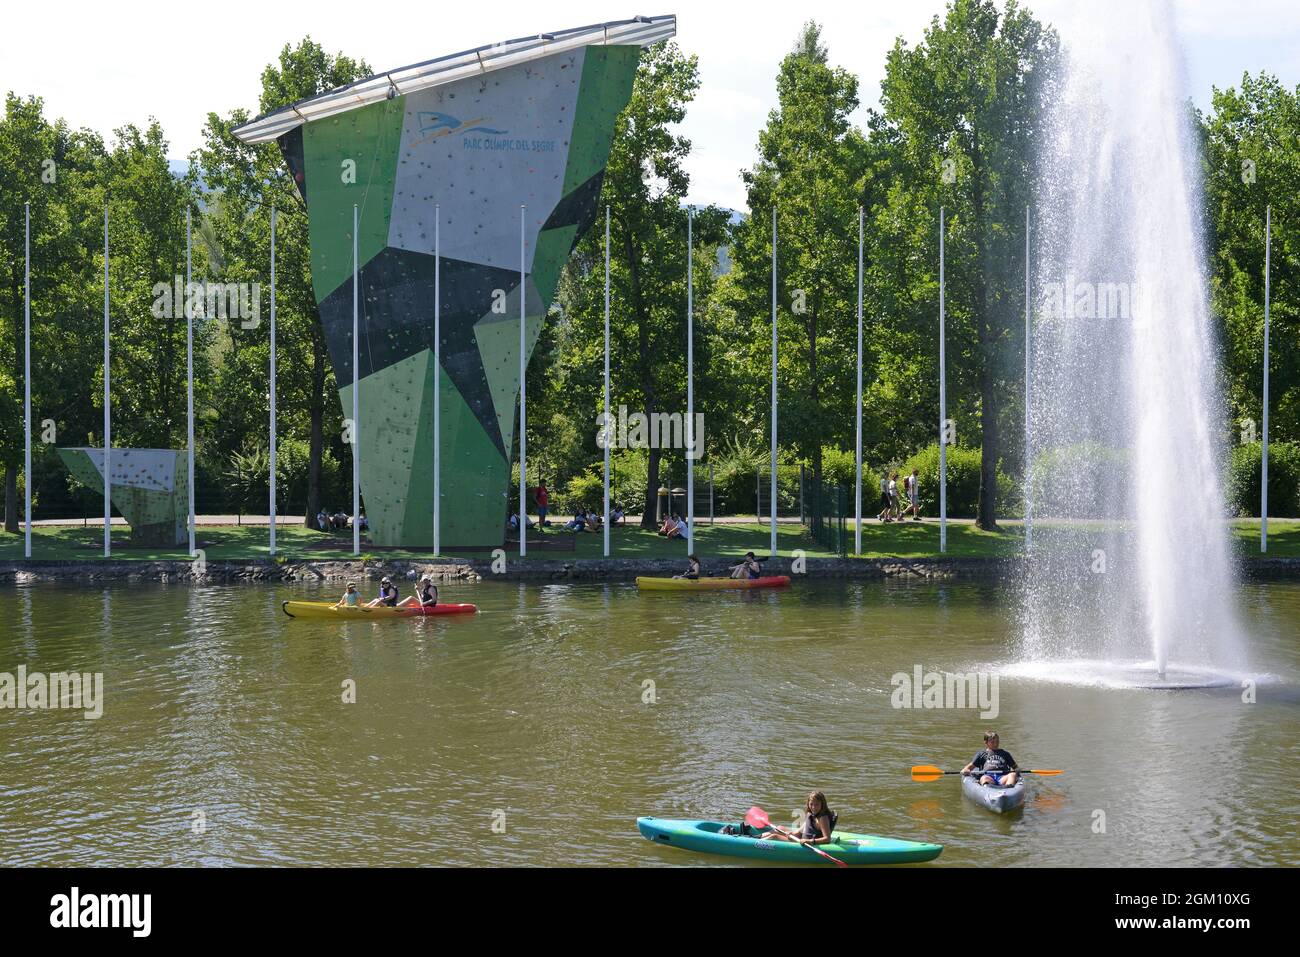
[
  {"x": 189, "y": 373},
  {"x": 27, "y": 379},
  {"x": 523, "y": 394},
  {"x": 943, "y": 410},
  {"x": 108, "y": 421},
  {"x": 607, "y": 428},
  {"x": 1263, "y": 477},
  {"x": 857, "y": 484},
  {"x": 437, "y": 379},
  {"x": 273, "y": 452},
  {"x": 1028, "y": 474},
  {"x": 773, "y": 494},
  {"x": 690, "y": 381},
  {"x": 356, "y": 389}
]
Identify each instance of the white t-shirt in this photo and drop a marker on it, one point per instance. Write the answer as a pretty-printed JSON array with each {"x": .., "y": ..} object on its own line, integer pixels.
[
  {"x": 912, "y": 490},
  {"x": 884, "y": 486},
  {"x": 893, "y": 488},
  {"x": 681, "y": 526}
]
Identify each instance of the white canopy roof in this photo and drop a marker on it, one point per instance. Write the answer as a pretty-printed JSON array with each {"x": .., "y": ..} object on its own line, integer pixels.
[{"x": 642, "y": 31}]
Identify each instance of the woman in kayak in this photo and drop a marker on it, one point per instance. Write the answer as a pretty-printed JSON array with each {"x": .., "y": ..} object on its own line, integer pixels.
[
  {"x": 818, "y": 823},
  {"x": 993, "y": 765},
  {"x": 387, "y": 594},
  {"x": 749, "y": 568},
  {"x": 692, "y": 568},
  {"x": 351, "y": 598},
  {"x": 426, "y": 595}
]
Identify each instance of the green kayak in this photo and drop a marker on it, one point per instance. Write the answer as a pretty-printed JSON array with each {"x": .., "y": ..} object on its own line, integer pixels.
[{"x": 706, "y": 837}]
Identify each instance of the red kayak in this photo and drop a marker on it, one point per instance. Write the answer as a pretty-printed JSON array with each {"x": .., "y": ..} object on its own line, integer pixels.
[{"x": 326, "y": 609}]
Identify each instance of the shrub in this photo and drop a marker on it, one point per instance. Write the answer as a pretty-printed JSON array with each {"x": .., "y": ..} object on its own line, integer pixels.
[
  {"x": 1081, "y": 481},
  {"x": 963, "y": 482},
  {"x": 1283, "y": 479}
]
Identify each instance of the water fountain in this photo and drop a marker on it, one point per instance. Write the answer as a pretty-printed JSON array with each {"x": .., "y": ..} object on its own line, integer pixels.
[{"x": 1131, "y": 581}]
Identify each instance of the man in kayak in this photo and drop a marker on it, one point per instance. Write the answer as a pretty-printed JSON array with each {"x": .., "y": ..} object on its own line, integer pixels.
[
  {"x": 387, "y": 594},
  {"x": 749, "y": 568},
  {"x": 692, "y": 568},
  {"x": 818, "y": 823},
  {"x": 993, "y": 765},
  {"x": 351, "y": 598},
  {"x": 426, "y": 595}
]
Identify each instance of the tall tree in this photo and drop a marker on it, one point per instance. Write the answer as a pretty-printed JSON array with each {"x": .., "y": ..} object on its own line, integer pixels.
[
  {"x": 811, "y": 170},
  {"x": 645, "y": 186},
  {"x": 249, "y": 181},
  {"x": 962, "y": 107},
  {"x": 1252, "y": 161}
]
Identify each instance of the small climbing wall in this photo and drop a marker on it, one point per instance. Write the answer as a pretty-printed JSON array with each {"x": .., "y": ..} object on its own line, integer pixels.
[
  {"x": 536, "y": 135},
  {"x": 150, "y": 487}
]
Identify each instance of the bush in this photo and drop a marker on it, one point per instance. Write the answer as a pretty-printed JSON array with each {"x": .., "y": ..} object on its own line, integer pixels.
[
  {"x": 963, "y": 483},
  {"x": 1080, "y": 481},
  {"x": 1283, "y": 479},
  {"x": 585, "y": 490}
]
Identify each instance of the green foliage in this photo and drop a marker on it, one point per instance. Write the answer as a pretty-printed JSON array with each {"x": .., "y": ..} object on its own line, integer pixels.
[
  {"x": 1085, "y": 480},
  {"x": 963, "y": 468},
  {"x": 1283, "y": 479},
  {"x": 584, "y": 490}
]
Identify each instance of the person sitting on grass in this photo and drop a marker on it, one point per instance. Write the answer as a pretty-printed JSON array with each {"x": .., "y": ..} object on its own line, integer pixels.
[
  {"x": 351, "y": 598},
  {"x": 578, "y": 522},
  {"x": 993, "y": 765},
  {"x": 426, "y": 595},
  {"x": 818, "y": 823},
  {"x": 692, "y": 572},
  {"x": 749, "y": 568},
  {"x": 387, "y": 594},
  {"x": 616, "y": 514},
  {"x": 323, "y": 520},
  {"x": 594, "y": 520},
  {"x": 668, "y": 524}
]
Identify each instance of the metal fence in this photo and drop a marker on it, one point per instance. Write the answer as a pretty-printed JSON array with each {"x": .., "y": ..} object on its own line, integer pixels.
[{"x": 826, "y": 515}]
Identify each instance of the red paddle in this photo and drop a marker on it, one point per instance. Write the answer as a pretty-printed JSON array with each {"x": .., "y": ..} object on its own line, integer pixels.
[{"x": 756, "y": 817}]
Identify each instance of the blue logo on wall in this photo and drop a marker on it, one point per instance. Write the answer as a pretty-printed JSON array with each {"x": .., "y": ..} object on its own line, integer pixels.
[{"x": 444, "y": 124}]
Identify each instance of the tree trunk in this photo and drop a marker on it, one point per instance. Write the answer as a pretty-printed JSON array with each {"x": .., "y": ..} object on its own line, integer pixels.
[
  {"x": 647, "y": 375},
  {"x": 11, "y": 499},
  {"x": 11, "y": 470},
  {"x": 316, "y": 448},
  {"x": 986, "y": 512}
]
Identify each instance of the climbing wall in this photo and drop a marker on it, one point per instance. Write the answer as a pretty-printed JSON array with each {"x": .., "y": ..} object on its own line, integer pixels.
[
  {"x": 536, "y": 135},
  {"x": 150, "y": 487}
]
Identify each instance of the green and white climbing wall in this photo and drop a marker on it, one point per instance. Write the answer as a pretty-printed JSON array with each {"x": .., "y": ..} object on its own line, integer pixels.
[
  {"x": 530, "y": 137},
  {"x": 150, "y": 487}
]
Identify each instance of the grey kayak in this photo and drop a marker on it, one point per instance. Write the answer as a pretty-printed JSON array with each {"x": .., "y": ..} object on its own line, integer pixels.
[{"x": 995, "y": 798}]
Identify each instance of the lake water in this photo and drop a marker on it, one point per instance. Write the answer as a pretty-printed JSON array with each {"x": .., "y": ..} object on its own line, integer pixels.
[{"x": 225, "y": 740}]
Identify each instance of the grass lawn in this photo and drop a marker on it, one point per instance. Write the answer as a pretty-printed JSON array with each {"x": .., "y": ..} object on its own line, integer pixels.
[
  {"x": 295, "y": 543},
  {"x": 893, "y": 540}
]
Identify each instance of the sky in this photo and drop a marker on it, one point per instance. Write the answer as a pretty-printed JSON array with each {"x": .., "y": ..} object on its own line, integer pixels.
[{"x": 97, "y": 67}]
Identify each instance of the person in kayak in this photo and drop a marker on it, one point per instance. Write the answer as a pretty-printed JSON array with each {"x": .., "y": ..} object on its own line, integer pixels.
[
  {"x": 818, "y": 823},
  {"x": 387, "y": 594},
  {"x": 692, "y": 568},
  {"x": 351, "y": 598},
  {"x": 993, "y": 765},
  {"x": 426, "y": 595},
  {"x": 749, "y": 568}
]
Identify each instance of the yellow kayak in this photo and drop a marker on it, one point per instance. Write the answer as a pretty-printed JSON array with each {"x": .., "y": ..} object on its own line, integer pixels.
[
  {"x": 711, "y": 584},
  {"x": 326, "y": 609}
]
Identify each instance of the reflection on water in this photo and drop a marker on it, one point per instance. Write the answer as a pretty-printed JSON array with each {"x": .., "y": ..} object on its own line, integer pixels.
[{"x": 567, "y": 711}]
